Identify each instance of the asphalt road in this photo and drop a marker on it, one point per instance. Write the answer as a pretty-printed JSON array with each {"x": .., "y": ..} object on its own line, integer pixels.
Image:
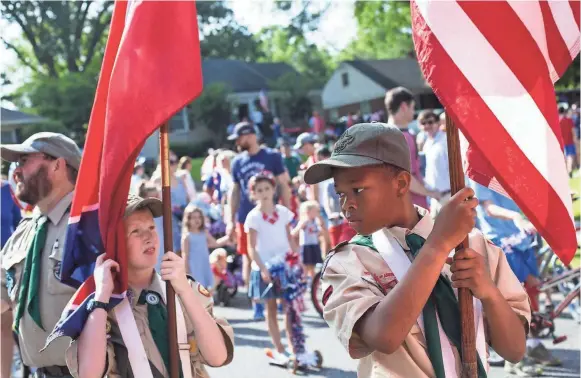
[{"x": 252, "y": 337}]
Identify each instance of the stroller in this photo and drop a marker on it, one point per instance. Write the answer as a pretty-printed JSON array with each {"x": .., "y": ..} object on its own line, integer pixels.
[{"x": 230, "y": 276}]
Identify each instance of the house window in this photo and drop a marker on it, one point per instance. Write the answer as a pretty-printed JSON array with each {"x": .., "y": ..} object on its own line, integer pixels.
[
  {"x": 345, "y": 79},
  {"x": 180, "y": 122}
]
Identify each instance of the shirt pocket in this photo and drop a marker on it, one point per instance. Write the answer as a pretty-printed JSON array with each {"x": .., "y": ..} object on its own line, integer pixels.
[
  {"x": 13, "y": 273},
  {"x": 54, "y": 285}
]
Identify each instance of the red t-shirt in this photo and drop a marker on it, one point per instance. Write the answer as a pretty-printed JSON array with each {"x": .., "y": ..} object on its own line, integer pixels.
[{"x": 566, "y": 124}]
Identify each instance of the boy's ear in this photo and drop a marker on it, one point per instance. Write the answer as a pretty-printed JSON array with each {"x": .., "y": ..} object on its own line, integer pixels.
[{"x": 402, "y": 181}]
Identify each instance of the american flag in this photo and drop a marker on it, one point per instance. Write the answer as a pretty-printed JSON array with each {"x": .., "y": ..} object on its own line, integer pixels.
[
  {"x": 492, "y": 65},
  {"x": 151, "y": 69}
]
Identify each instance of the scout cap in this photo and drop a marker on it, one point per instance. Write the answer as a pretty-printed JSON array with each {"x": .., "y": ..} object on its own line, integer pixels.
[
  {"x": 135, "y": 203},
  {"x": 52, "y": 144},
  {"x": 303, "y": 139},
  {"x": 242, "y": 128},
  {"x": 362, "y": 145}
]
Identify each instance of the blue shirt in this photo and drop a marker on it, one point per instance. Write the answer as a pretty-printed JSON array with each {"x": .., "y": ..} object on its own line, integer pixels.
[
  {"x": 515, "y": 243},
  {"x": 244, "y": 166},
  {"x": 10, "y": 214}
]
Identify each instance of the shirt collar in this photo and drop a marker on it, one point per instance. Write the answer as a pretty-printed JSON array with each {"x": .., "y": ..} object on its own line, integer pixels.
[
  {"x": 154, "y": 285},
  {"x": 422, "y": 228},
  {"x": 57, "y": 212}
]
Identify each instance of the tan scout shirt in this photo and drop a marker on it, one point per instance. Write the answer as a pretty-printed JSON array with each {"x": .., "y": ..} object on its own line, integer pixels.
[
  {"x": 53, "y": 295},
  {"x": 117, "y": 361},
  {"x": 357, "y": 278}
]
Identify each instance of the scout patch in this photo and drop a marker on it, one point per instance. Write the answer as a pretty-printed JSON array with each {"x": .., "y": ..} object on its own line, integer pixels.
[
  {"x": 108, "y": 327},
  {"x": 203, "y": 291},
  {"x": 152, "y": 298},
  {"x": 56, "y": 270},
  {"x": 327, "y": 294},
  {"x": 10, "y": 278}
]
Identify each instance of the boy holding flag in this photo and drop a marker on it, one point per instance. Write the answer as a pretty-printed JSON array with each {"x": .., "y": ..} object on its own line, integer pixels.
[
  {"x": 390, "y": 296},
  {"x": 101, "y": 349}
]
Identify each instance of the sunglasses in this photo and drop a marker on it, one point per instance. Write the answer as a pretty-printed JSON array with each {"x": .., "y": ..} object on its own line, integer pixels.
[
  {"x": 428, "y": 122},
  {"x": 172, "y": 161}
]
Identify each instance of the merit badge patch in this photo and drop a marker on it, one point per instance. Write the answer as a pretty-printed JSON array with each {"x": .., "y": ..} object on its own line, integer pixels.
[
  {"x": 327, "y": 294},
  {"x": 56, "y": 270},
  {"x": 203, "y": 291},
  {"x": 152, "y": 298}
]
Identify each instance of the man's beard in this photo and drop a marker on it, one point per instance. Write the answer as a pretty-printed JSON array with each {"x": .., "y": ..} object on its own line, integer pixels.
[{"x": 34, "y": 188}]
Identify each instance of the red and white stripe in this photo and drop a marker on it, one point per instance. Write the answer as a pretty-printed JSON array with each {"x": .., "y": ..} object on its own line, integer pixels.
[{"x": 492, "y": 64}]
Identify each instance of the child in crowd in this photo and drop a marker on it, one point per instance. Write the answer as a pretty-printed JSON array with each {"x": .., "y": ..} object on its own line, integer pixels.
[
  {"x": 309, "y": 230},
  {"x": 196, "y": 242},
  {"x": 389, "y": 295},
  {"x": 219, "y": 264},
  {"x": 269, "y": 240},
  {"x": 101, "y": 350}
]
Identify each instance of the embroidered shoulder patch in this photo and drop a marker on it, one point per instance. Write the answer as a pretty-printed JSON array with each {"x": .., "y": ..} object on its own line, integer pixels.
[{"x": 203, "y": 291}]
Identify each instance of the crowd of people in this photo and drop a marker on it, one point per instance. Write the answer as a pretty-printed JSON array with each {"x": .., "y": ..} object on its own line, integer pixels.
[{"x": 253, "y": 202}]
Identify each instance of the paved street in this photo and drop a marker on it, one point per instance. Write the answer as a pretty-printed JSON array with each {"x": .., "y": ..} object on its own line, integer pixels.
[{"x": 251, "y": 338}]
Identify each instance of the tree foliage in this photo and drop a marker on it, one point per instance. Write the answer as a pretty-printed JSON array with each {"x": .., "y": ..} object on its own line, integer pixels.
[
  {"x": 297, "y": 89},
  {"x": 58, "y": 37},
  {"x": 212, "y": 110},
  {"x": 383, "y": 31}
]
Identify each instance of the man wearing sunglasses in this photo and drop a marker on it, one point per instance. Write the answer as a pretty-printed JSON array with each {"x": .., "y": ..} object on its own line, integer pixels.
[
  {"x": 435, "y": 150},
  {"x": 32, "y": 295}
]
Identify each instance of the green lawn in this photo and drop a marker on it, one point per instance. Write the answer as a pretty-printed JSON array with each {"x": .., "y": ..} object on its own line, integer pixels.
[
  {"x": 197, "y": 168},
  {"x": 575, "y": 185}
]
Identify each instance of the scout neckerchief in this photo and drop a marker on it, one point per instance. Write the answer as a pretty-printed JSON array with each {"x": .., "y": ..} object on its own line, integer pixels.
[
  {"x": 28, "y": 295},
  {"x": 439, "y": 351},
  {"x": 444, "y": 301},
  {"x": 270, "y": 218},
  {"x": 157, "y": 319}
]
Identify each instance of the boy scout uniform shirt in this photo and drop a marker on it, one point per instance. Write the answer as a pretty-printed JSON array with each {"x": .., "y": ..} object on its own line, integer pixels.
[
  {"x": 356, "y": 278},
  {"x": 52, "y": 294},
  {"x": 117, "y": 362}
]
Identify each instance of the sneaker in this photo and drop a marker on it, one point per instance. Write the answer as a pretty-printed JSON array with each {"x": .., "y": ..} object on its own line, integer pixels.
[
  {"x": 279, "y": 358},
  {"x": 524, "y": 368},
  {"x": 494, "y": 358},
  {"x": 258, "y": 312},
  {"x": 541, "y": 355}
]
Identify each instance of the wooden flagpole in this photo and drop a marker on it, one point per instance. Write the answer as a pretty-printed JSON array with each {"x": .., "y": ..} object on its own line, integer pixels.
[
  {"x": 174, "y": 364},
  {"x": 469, "y": 365}
]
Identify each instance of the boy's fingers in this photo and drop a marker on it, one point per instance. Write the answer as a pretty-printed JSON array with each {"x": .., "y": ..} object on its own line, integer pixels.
[
  {"x": 462, "y": 265},
  {"x": 461, "y": 275},
  {"x": 467, "y": 283},
  {"x": 100, "y": 259}
]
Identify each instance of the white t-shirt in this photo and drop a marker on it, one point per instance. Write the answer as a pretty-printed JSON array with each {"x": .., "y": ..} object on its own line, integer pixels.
[
  {"x": 437, "y": 169},
  {"x": 271, "y": 241}
]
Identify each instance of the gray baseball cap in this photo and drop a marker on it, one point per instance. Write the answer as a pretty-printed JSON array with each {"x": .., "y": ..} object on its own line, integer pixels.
[
  {"x": 362, "y": 145},
  {"x": 135, "y": 203},
  {"x": 52, "y": 144}
]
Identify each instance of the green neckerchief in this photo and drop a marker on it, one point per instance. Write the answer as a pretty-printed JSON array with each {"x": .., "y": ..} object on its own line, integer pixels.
[
  {"x": 443, "y": 301},
  {"x": 28, "y": 295},
  {"x": 157, "y": 319}
]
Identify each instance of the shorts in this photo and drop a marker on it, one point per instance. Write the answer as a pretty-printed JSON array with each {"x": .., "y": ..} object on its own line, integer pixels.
[
  {"x": 311, "y": 254},
  {"x": 257, "y": 288},
  {"x": 241, "y": 239},
  {"x": 570, "y": 150}
]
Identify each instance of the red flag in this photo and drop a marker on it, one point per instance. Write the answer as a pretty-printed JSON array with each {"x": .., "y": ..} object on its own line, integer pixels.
[
  {"x": 151, "y": 69},
  {"x": 492, "y": 65}
]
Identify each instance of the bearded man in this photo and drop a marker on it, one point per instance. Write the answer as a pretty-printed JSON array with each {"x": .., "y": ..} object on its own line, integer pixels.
[{"x": 32, "y": 296}]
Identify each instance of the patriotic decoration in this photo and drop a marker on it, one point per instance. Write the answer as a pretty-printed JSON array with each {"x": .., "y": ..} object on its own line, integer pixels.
[
  {"x": 151, "y": 70},
  {"x": 492, "y": 65}
]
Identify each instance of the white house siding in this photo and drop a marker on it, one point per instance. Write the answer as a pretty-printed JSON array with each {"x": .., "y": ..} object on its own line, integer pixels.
[{"x": 360, "y": 88}]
